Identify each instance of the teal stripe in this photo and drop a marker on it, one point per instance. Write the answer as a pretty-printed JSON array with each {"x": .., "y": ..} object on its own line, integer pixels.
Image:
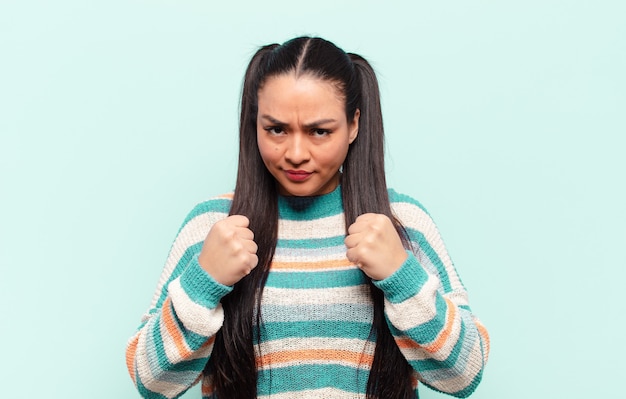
[
  {"x": 196, "y": 366},
  {"x": 156, "y": 358},
  {"x": 312, "y": 376},
  {"x": 311, "y": 280},
  {"x": 320, "y": 329},
  {"x": 430, "y": 253},
  {"x": 469, "y": 338},
  {"x": 404, "y": 283},
  {"x": 310, "y": 208},
  {"x": 312, "y": 243},
  {"x": 200, "y": 287}
]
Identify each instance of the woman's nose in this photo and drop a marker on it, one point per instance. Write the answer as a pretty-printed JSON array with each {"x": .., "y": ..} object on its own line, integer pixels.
[{"x": 297, "y": 150}]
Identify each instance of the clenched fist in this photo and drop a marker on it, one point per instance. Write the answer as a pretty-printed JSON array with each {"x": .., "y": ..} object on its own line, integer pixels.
[
  {"x": 229, "y": 251},
  {"x": 375, "y": 246}
]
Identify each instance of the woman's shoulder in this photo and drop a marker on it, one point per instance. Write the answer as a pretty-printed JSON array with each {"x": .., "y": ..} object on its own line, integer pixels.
[
  {"x": 216, "y": 207},
  {"x": 404, "y": 201},
  {"x": 411, "y": 212}
]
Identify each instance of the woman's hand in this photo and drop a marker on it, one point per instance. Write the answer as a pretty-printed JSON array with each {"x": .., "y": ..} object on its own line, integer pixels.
[
  {"x": 375, "y": 246},
  {"x": 229, "y": 251}
]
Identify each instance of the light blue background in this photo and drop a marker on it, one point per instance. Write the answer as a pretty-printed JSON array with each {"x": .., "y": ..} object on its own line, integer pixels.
[{"x": 505, "y": 118}]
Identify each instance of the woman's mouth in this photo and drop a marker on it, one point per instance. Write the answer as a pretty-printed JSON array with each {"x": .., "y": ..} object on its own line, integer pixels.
[{"x": 297, "y": 175}]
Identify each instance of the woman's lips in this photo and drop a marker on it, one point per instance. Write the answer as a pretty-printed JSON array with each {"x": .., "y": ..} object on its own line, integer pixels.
[{"x": 297, "y": 175}]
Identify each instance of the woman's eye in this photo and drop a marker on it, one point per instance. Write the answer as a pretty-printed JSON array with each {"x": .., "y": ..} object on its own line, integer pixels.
[
  {"x": 320, "y": 132},
  {"x": 275, "y": 130}
]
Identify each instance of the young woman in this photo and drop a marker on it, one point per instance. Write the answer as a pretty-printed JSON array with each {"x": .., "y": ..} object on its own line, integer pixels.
[{"x": 312, "y": 280}]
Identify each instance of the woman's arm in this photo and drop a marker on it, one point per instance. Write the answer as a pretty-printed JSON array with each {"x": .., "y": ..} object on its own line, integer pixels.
[
  {"x": 428, "y": 312},
  {"x": 173, "y": 343}
]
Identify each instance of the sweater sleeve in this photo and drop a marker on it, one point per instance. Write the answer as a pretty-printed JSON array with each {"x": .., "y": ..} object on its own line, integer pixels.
[
  {"x": 428, "y": 312},
  {"x": 168, "y": 352}
]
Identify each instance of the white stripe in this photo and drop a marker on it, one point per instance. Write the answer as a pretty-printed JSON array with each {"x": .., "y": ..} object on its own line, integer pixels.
[
  {"x": 415, "y": 311},
  {"x": 413, "y": 354},
  {"x": 197, "y": 318},
  {"x": 325, "y": 393},
  {"x": 295, "y": 344},
  {"x": 458, "y": 297},
  {"x": 331, "y": 226},
  {"x": 310, "y": 256}
]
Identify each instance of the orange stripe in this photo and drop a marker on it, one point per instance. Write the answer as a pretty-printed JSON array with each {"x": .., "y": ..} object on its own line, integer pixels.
[
  {"x": 325, "y": 264},
  {"x": 447, "y": 329},
  {"x": 485, "y": 336},
  {"x": 407, "y": 343},
  {"x": 227, "y": 195},
  {"x": 173, "y": 331},
  {"x": 131, "y": 352},
  {"x": 321, "y": 354}
]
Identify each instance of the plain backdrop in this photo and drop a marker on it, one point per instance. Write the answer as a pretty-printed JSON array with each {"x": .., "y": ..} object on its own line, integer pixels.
[{"x": 506, "y": 119}]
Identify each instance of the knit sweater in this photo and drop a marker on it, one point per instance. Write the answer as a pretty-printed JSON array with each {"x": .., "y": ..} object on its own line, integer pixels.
[{"x": 316, "y": 309}]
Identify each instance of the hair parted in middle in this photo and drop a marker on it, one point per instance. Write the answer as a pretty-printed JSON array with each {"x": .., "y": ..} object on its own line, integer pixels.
[{"x": 363, "y": 188}]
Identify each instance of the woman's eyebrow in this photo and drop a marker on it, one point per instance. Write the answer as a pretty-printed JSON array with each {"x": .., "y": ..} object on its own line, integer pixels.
[
  {"x": 272, "y": 120},
  {"x": 309, "y": 125},
  {"x": 319, "y": 122}
]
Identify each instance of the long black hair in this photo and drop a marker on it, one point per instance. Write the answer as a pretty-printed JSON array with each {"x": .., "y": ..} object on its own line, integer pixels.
[{"x": 363, "y": 187}]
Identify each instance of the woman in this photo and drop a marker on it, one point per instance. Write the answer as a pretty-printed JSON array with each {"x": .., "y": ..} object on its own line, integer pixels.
[{"x": 312, "y": 280}]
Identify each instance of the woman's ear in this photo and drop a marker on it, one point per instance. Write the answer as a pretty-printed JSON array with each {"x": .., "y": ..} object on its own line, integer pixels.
[{"x": 354, "y": 126}]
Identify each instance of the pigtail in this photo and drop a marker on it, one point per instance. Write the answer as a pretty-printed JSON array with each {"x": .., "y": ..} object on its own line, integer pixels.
[
  {"x": 364, "y": 165},
  {"x": 233, "y": 359},
  {"x": 364, "y": 189}
]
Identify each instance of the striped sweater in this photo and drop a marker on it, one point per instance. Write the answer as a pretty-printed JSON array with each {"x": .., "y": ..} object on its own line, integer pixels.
[{"x": 316, "y": 309}]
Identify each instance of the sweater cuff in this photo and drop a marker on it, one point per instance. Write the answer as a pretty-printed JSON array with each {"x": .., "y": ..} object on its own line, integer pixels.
[
  {"x": 201, "y": 287},
  {"x": 405, "y": 282}
]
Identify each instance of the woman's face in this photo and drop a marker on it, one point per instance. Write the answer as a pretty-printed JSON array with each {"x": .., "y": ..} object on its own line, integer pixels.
[{"x": 303, "y": 134}]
